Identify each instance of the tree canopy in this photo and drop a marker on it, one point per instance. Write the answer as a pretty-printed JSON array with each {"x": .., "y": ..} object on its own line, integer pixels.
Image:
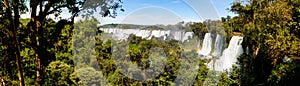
[
  {"x": 39, "y": 33},
  {"x": 42, "y": 51},
  {"x": 271, "y": 37}
]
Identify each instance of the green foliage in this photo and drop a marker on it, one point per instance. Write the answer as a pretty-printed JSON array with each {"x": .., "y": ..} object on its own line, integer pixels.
[
  {"x": 270, "y": 36},
  {"x": 47, "y": 39},
  {"x": 58, "y": 73},
  {"x": 139, "y": 52},
  {"x": 199, "y": 29},
  {"x": 88, "y": 76},
  {"x": 271, "y": 41},
  {"x": 83, "y": 42}
]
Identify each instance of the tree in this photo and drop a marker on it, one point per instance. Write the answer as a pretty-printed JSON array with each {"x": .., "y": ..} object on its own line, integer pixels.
[
  {"x": 199, "y": 30},
  {"x": 13, "y": 26},
  {"x": 270, "y": 35},
  {"x": 59, "y": 73},
  {"x": 39, "y": 41}
]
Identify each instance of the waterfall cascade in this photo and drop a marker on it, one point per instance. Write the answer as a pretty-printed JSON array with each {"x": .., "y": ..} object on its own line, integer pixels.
[
  {"x": 218, "y": 46},
  {"x": 229, "y": 56},
  {"x": 198, "y": 43},
  {"x": 223, "y": 61},
  {"x": 206, "y": 46},
  {"x": 120, "y": 34}
]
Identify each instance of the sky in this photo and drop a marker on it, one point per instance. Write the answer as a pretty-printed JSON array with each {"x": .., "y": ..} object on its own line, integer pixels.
[{"x": 150, "y": 12}]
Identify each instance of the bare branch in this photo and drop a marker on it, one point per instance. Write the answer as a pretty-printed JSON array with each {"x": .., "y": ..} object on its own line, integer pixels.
[{"x": 56, "y": 9}]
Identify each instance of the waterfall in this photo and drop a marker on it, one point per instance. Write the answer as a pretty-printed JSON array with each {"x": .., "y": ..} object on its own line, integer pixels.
[
  {"x": 198, "y": 43},
  {"x": 123, "y": 34},
  {"x": 187, "y": 35},
  {"x": 229, "y": 56},
  {"x": 178, "y": 35},
  {"x": 218, "y": 46},
  {"x": 206, "y": 46},
  {"x": 143, "y": 33}
]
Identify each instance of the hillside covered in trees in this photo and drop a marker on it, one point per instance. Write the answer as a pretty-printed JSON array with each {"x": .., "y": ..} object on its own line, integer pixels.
[{"x": 44, "y": 52}]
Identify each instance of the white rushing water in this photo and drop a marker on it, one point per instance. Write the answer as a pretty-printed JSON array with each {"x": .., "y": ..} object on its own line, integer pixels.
[
  {"x": 198, "y": 43},
  {"x": 229, "y": 56},
  {"x": 123, "y": 34},
  {"x": 218, "y": 48},
  {"x": 223, "y": 61},
  {"x": 206, "y": 46}
]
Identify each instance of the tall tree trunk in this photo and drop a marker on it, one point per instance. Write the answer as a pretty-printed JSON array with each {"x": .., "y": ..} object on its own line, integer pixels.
[
  {"x": 13, "y": 33},
  {"x": 34, "y": 44},
  {"x": 39, "y": 72},
  {"x": 16, "y": 43},
  {"x": 33, "y": 28}
]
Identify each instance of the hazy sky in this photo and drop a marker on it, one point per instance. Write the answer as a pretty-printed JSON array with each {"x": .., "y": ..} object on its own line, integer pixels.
[
  {"x": 149, "y": 12},
  {"x": 170, "y": 11}
]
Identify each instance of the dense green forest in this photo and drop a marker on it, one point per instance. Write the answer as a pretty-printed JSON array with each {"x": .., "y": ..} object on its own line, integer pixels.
[
  {"x": 41, "y": 51},
  {"x": 271, "y": 35}
]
